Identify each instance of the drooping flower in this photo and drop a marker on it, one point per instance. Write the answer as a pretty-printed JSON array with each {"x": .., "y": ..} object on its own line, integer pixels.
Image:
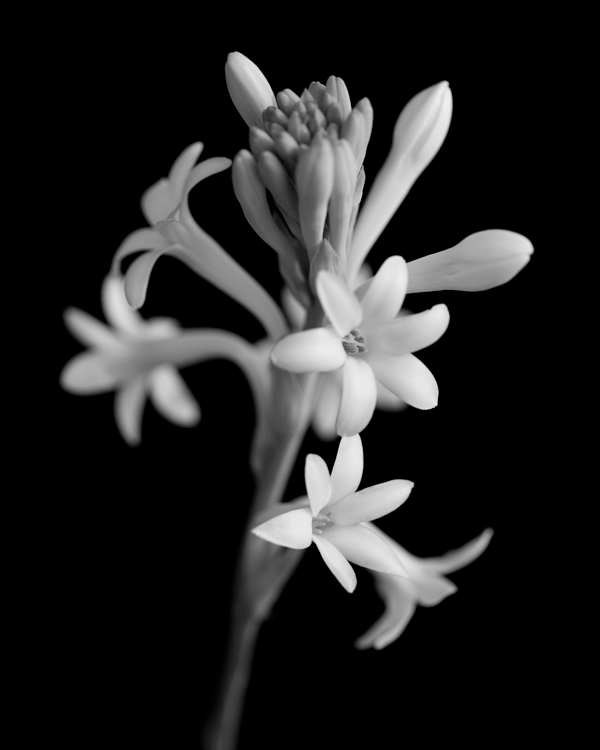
[
  {"x": 371, "y": 344},
  {"x": 334, "y": 513},
  {"x": 426, "y": 585},
  {"x": 175, "y": 232}
]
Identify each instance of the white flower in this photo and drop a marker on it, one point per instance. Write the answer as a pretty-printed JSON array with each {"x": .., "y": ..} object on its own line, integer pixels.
[
  {"x": 115, "y": 362},
  {"x": 334, "y": 515},
  {"x": 371, "y": 344},
  {"x": 426, "y": 585}
]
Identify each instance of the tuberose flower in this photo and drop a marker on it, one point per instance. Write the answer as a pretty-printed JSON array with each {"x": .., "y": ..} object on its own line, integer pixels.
[
  {"x": 372, "y": 345},
  {"x": 426, "y": 585},
  {"x": 334, "y": 514}
]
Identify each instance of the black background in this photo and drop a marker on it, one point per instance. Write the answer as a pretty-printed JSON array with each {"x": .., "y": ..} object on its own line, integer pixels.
[{"x": 139, "y": 544}]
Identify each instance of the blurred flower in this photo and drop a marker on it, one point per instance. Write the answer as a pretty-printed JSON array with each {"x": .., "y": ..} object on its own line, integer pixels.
[
  {"x": 426, "y": 585},
  {"x": 370, "y": 343},
  {"x": 334, "y": 513}
]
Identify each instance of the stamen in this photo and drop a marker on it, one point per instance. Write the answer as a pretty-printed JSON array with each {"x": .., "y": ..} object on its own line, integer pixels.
[{"x": 354, "y": 342}]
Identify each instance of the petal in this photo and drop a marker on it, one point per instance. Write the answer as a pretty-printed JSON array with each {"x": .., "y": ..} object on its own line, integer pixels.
[
  {"x": 164, "y": 196},
  {"x": 117, "y": 309},
  {"x": 372, "y": 502},
  {"x": 180, "y": 171},
  {"x": 384, "y": 293},
  {"x": 364, "y": 547},
  {"x": 327, "y": 405},
  {"x": 347, "y": 469},
  {"x": 387, "y": 401},
  {"x": 138, "y": 276},
  {"x": 171, "y": 396},
  {"x": 340, "y": 305},
  {"x": 406, "y": 377},
  {"x": 336, "y": 562},
  {"x": 400, "y": 606},
  {"x": 461, "y": 557},
  {"x": 433, "y": 589},
  {"x": 142, "y": 239},
  {"x": 129, "y": 405},
  {"x": 318, "y": 483},
  {"x": 93, "y": 372},
  {"x": 410, "y": 333},
  {"x": 205, "y": 169},
  {"x": 291, "y": 529},
  {"x": 90, "y": 331},
  {"x": 359, "y": 396},
  {"x": 314, "y": 350}
]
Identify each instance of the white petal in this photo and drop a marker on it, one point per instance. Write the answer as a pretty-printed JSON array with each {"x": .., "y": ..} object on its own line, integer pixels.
[
  {"x": 117, "y": 309},
  {"x": 93, "y": 372},
  {"x": 138, "y": 276},
  {"x": 314, "y": 350},
  {"x": 171, "y": 396},
  {"x": 461, "y": 557},
  {"x": 318, "y": 483},
  {"x": 327, "y": 405},
  {"x": 411, "y": 333},
  {"x": 433, "y": 589},
  {"x": 339, "y": 303},
  {"x": 372, "y": 502},
  {"x": 90, "y": 331},
  {"x": 347, "y": 469},
  {"x": 142, "y": 239},
  {"x": 205, "y": 169},
  {"x": 129, "y": 405},
  {"x": 336, "y": 562},
  {"x": 387, "y": 401},
  {"x": 406, "y": 377},
  {"x": 291, "y": 529},
  {"x": 359, "y": 396},
  {"x": 364, "y": 547},
  {"x": 181, "y": 169},
  {"x": 165, "y": 195},
  {"x": 384, "y": 293},
  {"x": 400, "y": 604}
]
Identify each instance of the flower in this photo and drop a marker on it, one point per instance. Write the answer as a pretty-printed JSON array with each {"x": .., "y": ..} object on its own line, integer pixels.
[
  {"x": 334, "y": 514},
  {"x": 114, "y": 362},
  {"x": 369, "y": 342},
  {"x": 425, "y": 585},
  {"x": 175, "y": 232}
]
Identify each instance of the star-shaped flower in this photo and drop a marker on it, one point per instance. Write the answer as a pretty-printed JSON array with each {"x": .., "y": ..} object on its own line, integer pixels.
[
  {"x": 425, "y": 585},
  {"x": 334, "y": 515},
  {"x": 371, "y": 344}
]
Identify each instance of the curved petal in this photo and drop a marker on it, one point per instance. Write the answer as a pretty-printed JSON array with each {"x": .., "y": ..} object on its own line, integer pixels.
[
  {"x": 347, "y": 469},
  {"x": 292, "y": 529},
  {"x": 336, "y": 562},
  {"x": 384, "y": 293},
  {"x": 205, "y": 169},
  {"x": 410, "y": 333},
  {"x": 142, "y": 239},
  {"x": 340, "y": 305},
  {"x": 180, "y": 171},
  {"x": 364, "y": 547},
  {"x": 171, "y": 396},
  {"x": 116, "y": 308},
  {"x": 89, "y": 331},
  {"x": 327, "y": 405},
  {"x": 129, "y": 405},
  {"x": 164, "y": 196},
  {"x": 387, "y": 401},
  {"x": 318, "y": 483},
  {"x": 406, "y": 377},
  {"x": 400, "y": 607},
  {"x": 314, "y": 350},
  {"x": 461, "y": 557},
  {"x": 92, "y": 372},
  {"x": 138, "y": 276},
  {"x": 359, "y": 396},
  {"x": 372, "y": 502},
  {"x": 432, "y": 589}
]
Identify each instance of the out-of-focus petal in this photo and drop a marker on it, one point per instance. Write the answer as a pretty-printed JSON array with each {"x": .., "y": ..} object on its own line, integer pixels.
[
  {"x": 91, "y": 332},
  {"x": 410, "y": 333},
  {"x": 165, "y": 195},
  {"x": 406, "y": 377},
  {"x": 400, "y": 604},
  {"x": 116, "y": 308},
  {"x": 292, "y": 529},
  {"x": 372, "y": 502},
  {"x": 171, "y": 396},
  {"x": 347, "y": 469},
  {"x": 129, "y": 405},
  {"x": 94, "y": 372},
  {"x": 314, "y": 350},
  {"x": 142, "y": 239},
  {"x": 327, "y": 405},
  {"x": 205, "y": 169},
  {"x": 387, "y": 401},
  {"x": 138, "y": 276},
  {"x": 339, "y": 303},
  {"x": 359, "y": 396},
  {"x": 432, "y": 589},
  {"x": 318, "y": 482},
  {"x": 384, "y": 293},
  {"x": 336, "y": 562},
  {"x": 458, "y": 558},
  {"x": 362, "y": 546}
]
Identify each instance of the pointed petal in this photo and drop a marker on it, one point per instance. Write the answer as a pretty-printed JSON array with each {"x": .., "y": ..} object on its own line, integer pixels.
[
  {"x": 205, "y": 169},
  {"x": 364, "y": 547},
  {"x": 384, "y": 293},
  {"x": 461, "y": 557},
  {"x": 138, "y": 276},
  {"x": 89, "y": 331},
  {"x": 410, "y": 333},
  {"x": 129, "y": 405},
  {"x": 117, "y": 309},
  {"x": 359, "y": 396},
  {"x": 372, "y": 502},
  {"x": 400, "y": 607},
  {"x": 165, "y": 195},
  {"x": 142, "y": 239},
  {"x": 406, "y": 377},
  {"x": 92, "y": 372},
  {"x": 314, "y": 350},
  {"x": 336, "y": 562},
  {"x": 171, "y": 396},
  {"x": 291, "y": 529},
  {"x": 318, "y": 483},
  {"x": 387, "y": 401},
  {"x": 181, "y": 169},
  {"x": 433, "y": 589},
  {"x": 340, "y": 305},
  {"x": 347, "y": 469}
]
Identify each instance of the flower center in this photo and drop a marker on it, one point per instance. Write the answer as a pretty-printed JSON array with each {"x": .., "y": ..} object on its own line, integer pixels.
[
  {"x": 320, "y": 522},
  {"x": 354, "y": 342}
]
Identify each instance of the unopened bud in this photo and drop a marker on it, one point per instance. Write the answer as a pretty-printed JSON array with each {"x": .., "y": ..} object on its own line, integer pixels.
[
  {"x": 481, "y": 261},
  {"x": 248, "y": 88},
  {"x": 314, "y": 182}
]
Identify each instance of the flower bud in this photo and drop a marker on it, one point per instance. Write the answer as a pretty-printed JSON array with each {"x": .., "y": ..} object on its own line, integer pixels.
[
  {"x": 314, "y": 182},
  {"x": 481, "y": 261},
  {"x": 248, "y": 88}
]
